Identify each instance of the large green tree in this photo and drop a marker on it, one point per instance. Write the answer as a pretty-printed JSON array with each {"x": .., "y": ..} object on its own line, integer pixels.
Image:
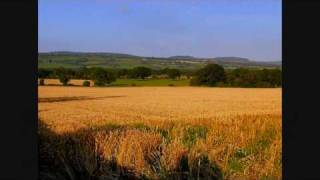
[
  {"x": 122, "y": 73},
  {"x": 141, "y": 72},
  {"x": 64, "y": 75},
  {"x": 102, "y": 76},
  {"x": 173, "y": 73},
  {"x": 210, "y": 75},
  {"x": 43, "y": 73}
]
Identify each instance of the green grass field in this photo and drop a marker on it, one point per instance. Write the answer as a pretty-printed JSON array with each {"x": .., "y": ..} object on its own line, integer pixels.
[
  {"x": 118, "y": 61},
  {"x": 72, "y": 61}
]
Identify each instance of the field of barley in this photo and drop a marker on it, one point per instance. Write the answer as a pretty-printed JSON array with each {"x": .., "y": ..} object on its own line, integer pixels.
[{"x": 159, "y": 133}]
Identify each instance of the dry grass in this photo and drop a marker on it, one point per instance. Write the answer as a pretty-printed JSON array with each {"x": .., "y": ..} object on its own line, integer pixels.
[{"x": 165, "y": 132}]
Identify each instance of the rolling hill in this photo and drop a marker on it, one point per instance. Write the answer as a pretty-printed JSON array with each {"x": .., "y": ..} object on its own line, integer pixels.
[{"x": 118, "y": 60}]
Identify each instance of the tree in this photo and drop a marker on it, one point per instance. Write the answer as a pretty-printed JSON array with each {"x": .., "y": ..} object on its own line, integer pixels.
[
  {"x": 102, "y": 76},
  {"x": 64, "y": 75},
  {"x": 41, "y": 83},
  {"x": 43, "y": 73},
  {"x": 277, "y": 77},
  {"x": 82, "y": 73},
  {"x": 189, "y": 73},
  {"x": 164, "y": 71},
  {"x": 173, "y": 73},
  {"x": 210, "y": 75},
  {"x": 272, "y": 76},
  {"x": 243, "y": 77},
  {"x": 123, "y": 73},
  {"x": 140, "y": 72},
  {"x": 86, "y": 83}
]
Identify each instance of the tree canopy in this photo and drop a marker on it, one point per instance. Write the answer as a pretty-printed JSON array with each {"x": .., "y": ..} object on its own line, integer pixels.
[
  {"x": 63, "y": 75},
  {"x": 140, "y": 72},
  {"x": 210, "y": 75},
  {"x": 173, "y": 73},
  {"x": 102, "y": 76}
]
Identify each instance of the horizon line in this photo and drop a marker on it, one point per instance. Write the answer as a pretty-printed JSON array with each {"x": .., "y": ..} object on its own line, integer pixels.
[{"x": 97, "y": 52}]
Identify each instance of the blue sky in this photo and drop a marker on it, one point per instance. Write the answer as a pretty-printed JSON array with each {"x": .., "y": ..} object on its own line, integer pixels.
[{"x": 201, "y": 28}]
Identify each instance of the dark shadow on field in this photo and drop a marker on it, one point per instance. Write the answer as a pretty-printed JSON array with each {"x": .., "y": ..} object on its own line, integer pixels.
[
  {"x": 76, "y": 156},
  {"x": 73, "y": 98}
]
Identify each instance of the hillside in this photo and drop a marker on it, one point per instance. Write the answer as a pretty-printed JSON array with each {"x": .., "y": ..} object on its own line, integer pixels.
[{"x": 118, "y": 60}]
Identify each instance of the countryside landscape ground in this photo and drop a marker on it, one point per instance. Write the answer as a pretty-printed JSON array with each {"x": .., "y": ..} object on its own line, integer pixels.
[
  {"x": 159, "y": 133},
  {"x": 177, "y": 90}
]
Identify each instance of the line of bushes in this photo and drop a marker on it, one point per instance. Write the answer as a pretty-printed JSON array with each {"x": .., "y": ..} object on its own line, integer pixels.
[
  {"x": 215, "y": 75},
  {"x": 135, "y": 73},
  {"x": 103, "y": 76},
  {"x": 210, "y": 75}
]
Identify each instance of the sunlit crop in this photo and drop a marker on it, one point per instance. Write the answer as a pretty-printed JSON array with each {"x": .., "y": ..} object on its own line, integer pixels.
[{"x": 160, "y": 132}]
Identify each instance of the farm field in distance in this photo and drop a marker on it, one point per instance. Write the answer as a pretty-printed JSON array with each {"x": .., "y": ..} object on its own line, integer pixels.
[
  {"x": 116, "y": 60},
  {"x": 160, "y": 132}
]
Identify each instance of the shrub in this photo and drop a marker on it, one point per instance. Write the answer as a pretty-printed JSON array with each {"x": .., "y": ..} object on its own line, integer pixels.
[
  {"x": 86, "y": 83},
  {"x": 41, "y": 82}
]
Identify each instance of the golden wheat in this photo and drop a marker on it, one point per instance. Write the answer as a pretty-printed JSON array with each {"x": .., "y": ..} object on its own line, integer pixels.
[{"x": 236, "y": 128}]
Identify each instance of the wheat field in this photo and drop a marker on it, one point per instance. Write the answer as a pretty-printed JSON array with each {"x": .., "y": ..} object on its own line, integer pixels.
[{"x": 160, "y": 132}]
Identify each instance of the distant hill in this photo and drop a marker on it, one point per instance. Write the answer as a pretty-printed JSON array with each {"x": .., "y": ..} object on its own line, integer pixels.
[
  {"x": 274, "y": 62},
  {"x": 182, "y": 57},
  {"x": 119, "y": 60},
  {"x": 231, "y": 59},
  {"x": 107, "y": 54}
]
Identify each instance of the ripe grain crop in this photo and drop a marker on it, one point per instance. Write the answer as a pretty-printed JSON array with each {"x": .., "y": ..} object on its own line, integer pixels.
[{"x": 160, "y": 132}]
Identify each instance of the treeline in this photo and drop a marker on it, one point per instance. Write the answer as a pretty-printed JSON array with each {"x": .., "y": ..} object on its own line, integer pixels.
[
  {"x": 215, "y": 75},
  {"x": 103, "y": 76},
  {"x": 210, "y": 75},
  {"x": 134, "y": 73}
]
